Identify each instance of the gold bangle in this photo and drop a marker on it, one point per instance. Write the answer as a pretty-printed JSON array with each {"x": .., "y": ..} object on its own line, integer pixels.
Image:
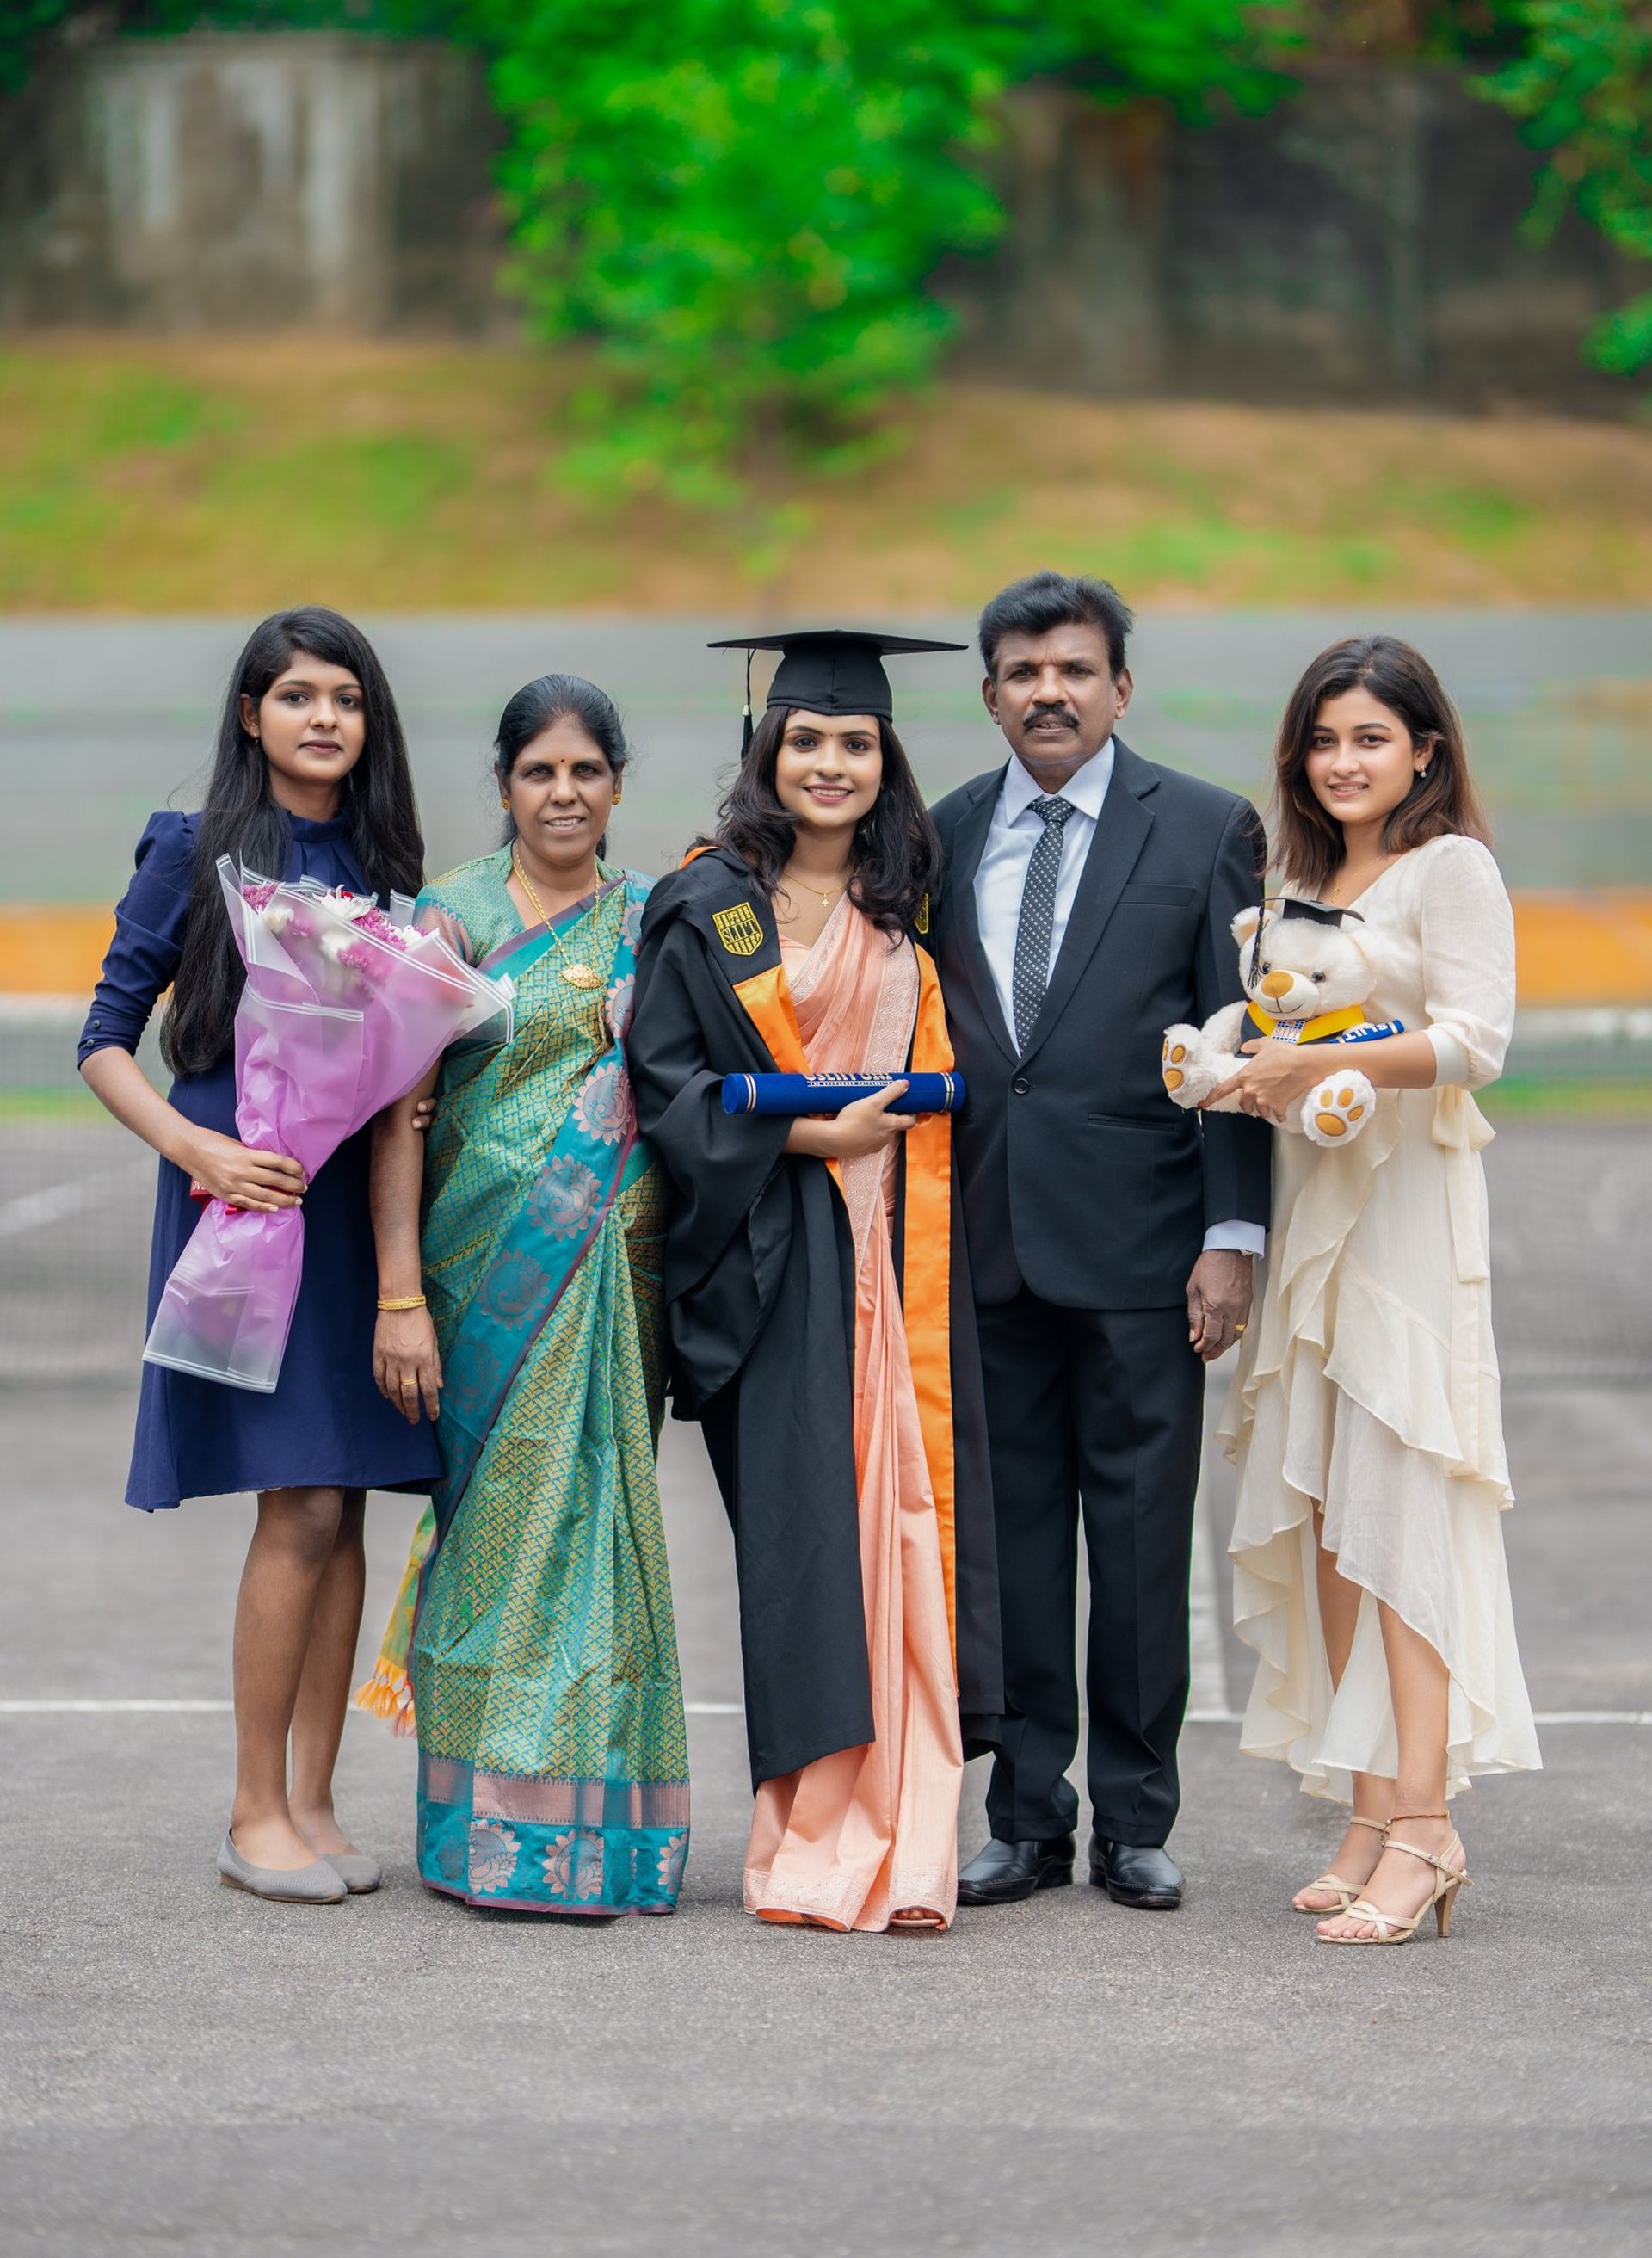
[{"x": 401, "y": 1300}]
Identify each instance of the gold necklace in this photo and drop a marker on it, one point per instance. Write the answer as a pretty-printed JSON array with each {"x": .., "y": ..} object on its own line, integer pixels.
[
  {"x": 827, "y": 899},
  {"x": 577, "y": 976}
]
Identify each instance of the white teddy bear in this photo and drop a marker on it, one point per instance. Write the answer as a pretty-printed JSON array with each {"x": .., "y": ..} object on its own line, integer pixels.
[{"x": 1307, "y": 976}]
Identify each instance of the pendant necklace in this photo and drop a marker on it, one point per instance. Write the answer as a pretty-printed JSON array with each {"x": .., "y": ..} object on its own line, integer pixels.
[
  {"x": 576, "y": 974},
  {"x": 825, "y": 900}
]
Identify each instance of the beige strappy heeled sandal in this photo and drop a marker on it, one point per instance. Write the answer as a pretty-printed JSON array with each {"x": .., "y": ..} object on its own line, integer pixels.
[
  {"x": 1344, "y": 1892},
  {"x": 1395, "y": 1929}
]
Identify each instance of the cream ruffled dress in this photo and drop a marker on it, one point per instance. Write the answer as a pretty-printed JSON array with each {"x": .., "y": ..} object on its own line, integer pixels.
[{"x": 1369, "y": 1378}]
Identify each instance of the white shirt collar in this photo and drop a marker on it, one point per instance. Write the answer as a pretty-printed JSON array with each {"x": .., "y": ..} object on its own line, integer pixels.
[{"x": 1086, "y": 788}]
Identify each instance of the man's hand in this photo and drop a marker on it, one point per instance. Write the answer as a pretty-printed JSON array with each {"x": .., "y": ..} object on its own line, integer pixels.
[{"x": 1218, "y": 1301}]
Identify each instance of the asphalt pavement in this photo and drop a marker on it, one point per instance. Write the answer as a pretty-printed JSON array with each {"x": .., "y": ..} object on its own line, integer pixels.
[{"x": 183, "y": 2070}]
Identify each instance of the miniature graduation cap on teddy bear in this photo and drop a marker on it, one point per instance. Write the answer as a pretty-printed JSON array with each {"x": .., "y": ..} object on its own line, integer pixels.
[{"x": 1308, "y": 970}]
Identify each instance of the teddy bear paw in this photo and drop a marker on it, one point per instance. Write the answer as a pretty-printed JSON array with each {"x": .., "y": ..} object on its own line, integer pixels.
[
  {"x": 1338, "y": 1108},
  {"x": 1185, "y": 1077}
]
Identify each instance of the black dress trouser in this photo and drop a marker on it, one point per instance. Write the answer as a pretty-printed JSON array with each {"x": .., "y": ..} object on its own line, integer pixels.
[{"x": 1098, "y": 1414}]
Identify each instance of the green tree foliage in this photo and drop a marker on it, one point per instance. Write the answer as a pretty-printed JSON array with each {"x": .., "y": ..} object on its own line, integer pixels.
[
  {"x": 743, "y": 202},
  {"x": 1581, "y": 87},
  {"x": 23, "y": 23}
]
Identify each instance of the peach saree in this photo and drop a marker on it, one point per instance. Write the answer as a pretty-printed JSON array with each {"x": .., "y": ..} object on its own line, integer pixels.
[{"x": 869, "y": 1832}]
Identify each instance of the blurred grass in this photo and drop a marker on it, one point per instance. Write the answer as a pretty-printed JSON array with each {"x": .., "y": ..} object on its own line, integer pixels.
[
  {"x": 1519, "y": 1096},
  {"x": 213, "y": 474},
  {"x": 76, "y": 1103},
  {"x": 1549, "y": 1096}
]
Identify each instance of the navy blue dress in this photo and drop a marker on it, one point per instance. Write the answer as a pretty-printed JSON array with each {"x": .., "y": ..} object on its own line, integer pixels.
[{"x": 326, "y": 1422}]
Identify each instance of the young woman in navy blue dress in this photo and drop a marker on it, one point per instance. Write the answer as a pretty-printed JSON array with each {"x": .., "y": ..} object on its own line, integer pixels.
[{"x": 310, "y": 779}]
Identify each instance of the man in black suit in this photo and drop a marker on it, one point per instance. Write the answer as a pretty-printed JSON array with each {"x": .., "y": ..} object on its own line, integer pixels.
[{"x": 1087, "y": 905}]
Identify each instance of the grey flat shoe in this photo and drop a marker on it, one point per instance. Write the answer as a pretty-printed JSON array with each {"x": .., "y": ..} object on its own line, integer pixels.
[
  {"x": 359, "y": 1874},
  {"x": 316, "y": 1884}
]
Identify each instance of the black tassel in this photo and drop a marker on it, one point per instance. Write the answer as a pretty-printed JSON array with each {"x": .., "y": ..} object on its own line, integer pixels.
[{"x": 744, "y": 733}]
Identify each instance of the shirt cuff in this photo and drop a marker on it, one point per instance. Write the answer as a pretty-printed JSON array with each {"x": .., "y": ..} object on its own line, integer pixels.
[
  {"x": 1451, "y": 1056},
  {"x": 1236, "y": 1238}
]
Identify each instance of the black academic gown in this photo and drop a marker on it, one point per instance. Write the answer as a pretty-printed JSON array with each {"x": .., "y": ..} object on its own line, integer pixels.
[{"x": 760, "y": 1291}]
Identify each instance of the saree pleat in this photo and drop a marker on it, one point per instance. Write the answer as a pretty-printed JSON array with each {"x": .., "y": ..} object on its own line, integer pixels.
[
  {"x": 541, "y": 1670},
  {"x": 868, "y": 1832}
]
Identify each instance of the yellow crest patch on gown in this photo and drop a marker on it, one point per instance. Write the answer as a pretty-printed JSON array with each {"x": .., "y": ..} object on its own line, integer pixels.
[
  {"x": 739, "y": 930},
  {"x": 920, "y": 923}
]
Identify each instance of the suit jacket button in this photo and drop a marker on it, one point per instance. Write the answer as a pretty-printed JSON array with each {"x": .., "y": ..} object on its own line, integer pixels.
[{"x": 1021, "y": 1085}]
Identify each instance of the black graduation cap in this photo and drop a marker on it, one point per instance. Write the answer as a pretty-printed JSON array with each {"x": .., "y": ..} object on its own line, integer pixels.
[
  {"x": 1297, "y": 905},
  {"x": 1294, "y": 906},
  {"x": 830, "y": 669}
]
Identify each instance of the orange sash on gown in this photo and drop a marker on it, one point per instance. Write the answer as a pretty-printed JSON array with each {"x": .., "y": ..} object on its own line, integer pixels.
[{"x": 869, "y": 1831}]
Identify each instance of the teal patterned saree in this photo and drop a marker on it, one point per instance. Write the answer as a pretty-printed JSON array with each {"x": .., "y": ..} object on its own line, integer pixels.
[{"x": 533, "y": 1645}]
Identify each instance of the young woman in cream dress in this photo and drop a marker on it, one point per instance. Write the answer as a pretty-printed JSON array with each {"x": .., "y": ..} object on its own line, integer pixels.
[{"x": 1369, "y": 1572}]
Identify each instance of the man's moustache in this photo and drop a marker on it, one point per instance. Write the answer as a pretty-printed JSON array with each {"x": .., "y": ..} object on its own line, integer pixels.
[{"x": 1062, "y": 714}]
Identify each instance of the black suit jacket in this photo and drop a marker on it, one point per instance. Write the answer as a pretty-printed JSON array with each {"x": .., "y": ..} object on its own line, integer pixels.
[{"x": 1080, "y": 1179}]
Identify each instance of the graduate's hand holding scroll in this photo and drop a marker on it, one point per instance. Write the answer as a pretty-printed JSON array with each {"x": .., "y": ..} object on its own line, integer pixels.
[{"x": 866, "y": 1127}]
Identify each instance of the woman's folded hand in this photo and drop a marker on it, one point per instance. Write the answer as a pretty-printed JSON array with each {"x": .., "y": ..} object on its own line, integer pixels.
[{"x": 240, "y": 1176}]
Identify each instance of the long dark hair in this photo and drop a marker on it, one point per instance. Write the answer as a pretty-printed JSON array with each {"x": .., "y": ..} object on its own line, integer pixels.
[
  {"x": 241, "y": 818},
  {"x": 896, "y": 851},
  {"x": 1307, "y": 841},
  {"x": 539, "y": 706}
]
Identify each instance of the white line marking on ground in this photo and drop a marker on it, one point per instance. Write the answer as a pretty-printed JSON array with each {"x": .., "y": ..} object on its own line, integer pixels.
[
  {"x": 53, "y": 1203},
  {"x": 1200, "y": 1716},
  {"x": 1539, "y": 1717},
  {"x": 1594, "y": 1717},
  {"x": 106, "y": 1708}
]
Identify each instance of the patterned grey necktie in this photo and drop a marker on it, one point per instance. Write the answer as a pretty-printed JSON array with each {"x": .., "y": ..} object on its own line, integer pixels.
[{"x": 1036, "y": 922}]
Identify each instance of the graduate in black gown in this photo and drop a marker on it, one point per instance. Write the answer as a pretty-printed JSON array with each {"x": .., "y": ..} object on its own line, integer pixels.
[{"x": 774, "y": 1253}]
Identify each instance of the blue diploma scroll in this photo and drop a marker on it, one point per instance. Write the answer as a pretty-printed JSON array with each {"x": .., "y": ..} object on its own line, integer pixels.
[{"x": 830, "y": 1093}]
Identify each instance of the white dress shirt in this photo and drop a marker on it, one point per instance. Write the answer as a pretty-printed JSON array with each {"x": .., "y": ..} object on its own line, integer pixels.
[{"x": 1001, "y": 878}]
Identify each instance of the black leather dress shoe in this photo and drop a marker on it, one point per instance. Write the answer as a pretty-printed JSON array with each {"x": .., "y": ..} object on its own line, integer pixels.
[
  {"x": 1136, "y": 1874},
  {"x": 1006, "y": 1871}
]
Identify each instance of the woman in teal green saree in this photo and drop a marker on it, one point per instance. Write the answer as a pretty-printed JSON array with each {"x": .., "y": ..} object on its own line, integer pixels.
[{"x": 532, "y": 1647}]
